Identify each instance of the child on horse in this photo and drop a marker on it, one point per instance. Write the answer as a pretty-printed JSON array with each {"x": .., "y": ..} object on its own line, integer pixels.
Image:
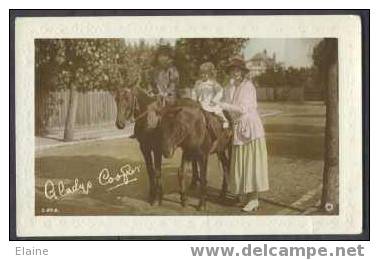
[
  {"x": 164, "y": 81},
  {"x": 165, "y": 78},
  {"x": 208, "y": 92}
]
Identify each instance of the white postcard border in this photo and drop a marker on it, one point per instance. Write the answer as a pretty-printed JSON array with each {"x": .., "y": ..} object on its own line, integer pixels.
[{"x": 346, "y": 28}]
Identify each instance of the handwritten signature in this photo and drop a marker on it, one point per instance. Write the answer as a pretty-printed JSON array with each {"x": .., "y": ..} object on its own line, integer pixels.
[
  {"x": 124, "y": 176},
  {"x": 61, "y": 191}
]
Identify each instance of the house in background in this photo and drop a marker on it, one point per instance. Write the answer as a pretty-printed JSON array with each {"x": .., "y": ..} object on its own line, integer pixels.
[{"x": 260, "y": 62}]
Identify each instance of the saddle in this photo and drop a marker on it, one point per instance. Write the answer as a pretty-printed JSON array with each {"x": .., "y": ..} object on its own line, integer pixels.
[{"x": 220, "y": 137}]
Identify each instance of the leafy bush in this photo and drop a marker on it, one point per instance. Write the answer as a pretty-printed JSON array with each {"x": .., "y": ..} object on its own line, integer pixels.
[{"x": 280, "y": 77}]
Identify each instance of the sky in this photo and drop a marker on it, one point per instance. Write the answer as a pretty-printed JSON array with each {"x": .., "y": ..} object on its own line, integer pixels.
[{"x": 292, "y": 52}]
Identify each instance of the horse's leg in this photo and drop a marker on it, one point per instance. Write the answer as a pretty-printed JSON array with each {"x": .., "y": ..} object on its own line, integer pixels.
[
  {"x": 146, "y": 152},
  {"x": 158, "y": 174},
  {"x": 203, "y": 163},
  {"x": 195, "y": 175},
  {"x": 222, "y": 157},
  {"x": 182, "y": 180}
]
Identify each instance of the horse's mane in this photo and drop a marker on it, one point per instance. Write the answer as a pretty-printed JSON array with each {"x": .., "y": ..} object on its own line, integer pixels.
[
  {"x": 186, "y": 102},
  {"x": 144, "y": 97}
]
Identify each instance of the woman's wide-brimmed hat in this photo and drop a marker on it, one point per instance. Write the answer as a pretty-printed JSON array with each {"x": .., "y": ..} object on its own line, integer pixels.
[{"x": 237, "y": 62}]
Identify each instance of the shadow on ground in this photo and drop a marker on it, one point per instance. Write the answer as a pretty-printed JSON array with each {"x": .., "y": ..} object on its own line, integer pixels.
[{"x": 295, "y": 141}]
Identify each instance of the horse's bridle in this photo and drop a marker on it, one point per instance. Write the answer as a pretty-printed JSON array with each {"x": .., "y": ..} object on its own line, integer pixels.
[
  {"x": 159, "y": 98},
  {"x": 136, "y": 106}
]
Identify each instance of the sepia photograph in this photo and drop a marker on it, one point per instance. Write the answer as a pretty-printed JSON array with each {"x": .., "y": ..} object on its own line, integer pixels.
[
  {"x": 213, "y": 126},
  {"x": 208, "y": 125}
]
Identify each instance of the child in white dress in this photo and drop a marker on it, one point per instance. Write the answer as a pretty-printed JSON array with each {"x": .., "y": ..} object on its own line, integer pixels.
[{"x": 208, "y": 92}]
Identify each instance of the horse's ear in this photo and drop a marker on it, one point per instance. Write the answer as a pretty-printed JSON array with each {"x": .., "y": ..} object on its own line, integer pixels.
[
  {"x": 113, "y": 91},
  {"x": 133, "y": 89}
]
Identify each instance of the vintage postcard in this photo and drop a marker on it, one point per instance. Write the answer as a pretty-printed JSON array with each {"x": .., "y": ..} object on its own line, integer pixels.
[{"x": 197, "y": 125}]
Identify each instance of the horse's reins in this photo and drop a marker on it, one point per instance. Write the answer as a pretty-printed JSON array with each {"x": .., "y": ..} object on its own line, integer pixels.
[
  {"x": 140, "y": 116},
  {"x": 135, "y": 104}
]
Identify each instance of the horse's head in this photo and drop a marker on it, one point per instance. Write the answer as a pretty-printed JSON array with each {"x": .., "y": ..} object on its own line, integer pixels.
[
  {"x": 172, "y": 130},
  {"x": 126, "y": 102}
]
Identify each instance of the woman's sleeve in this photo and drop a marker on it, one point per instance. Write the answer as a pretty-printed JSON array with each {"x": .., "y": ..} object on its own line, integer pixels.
[
  {"x": 231, "y": 107},
  {"x": 247, "y": 103},
  {"x": 219, "y": 93},
  {"x": 253, "y": 96}
]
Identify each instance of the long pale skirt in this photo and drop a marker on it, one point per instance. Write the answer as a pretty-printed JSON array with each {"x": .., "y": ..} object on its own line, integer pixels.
[{"x": 249, "y": 171}]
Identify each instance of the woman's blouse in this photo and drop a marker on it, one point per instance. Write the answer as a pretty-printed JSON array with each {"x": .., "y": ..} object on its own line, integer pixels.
[{"x": 241, "y": 102}]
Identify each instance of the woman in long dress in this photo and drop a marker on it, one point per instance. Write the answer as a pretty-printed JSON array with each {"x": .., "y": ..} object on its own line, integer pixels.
[{"x": 249, "y": 173}]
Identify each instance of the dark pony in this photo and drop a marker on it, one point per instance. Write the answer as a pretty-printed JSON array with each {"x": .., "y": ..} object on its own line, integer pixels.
[
  {"x": 136, "y": 105},
  {"x": 139, "y": 106},
  {"x": 185, "y": 126}
]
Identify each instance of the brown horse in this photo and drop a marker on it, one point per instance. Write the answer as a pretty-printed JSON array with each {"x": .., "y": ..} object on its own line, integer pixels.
[
  {"x": 135, "y": 104},
  {"x": 187, "y": 127}
]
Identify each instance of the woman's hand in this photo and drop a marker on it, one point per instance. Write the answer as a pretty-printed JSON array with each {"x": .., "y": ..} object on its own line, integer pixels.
[
  {"x": 214, "y": 103},
  {"x": 230, "y": 107},
  {"x": 223, "y": 105},
  {"x": 217, "y": 103},
  {"x": 227, "y": 106}
]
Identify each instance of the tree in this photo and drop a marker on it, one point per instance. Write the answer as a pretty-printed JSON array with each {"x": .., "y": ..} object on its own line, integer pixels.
[
  {"x": 272, "y": 78},
  {"x": 191, "y": 53},
  {"x": 296, "y": 77},
  {"x": 140, "y": 58},
  {"x": 46, "y": 73},
  {"x": 81, "y": 65},
  {"x": 280, "y": 77},
  {"x": 325, "y": 57},
  {"x": 78, "y": 65}
]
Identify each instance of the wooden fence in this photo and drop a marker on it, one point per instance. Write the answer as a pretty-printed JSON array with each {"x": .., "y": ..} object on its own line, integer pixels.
[
  {"x": 280, "y": 94},
  {"x": 96, "y": 108}
]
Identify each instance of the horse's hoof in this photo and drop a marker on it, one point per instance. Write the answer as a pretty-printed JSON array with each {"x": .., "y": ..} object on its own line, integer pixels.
[
  {"x": 154, "y": 203},
  {"x": 183, "y": 200},
  {"x": 202, "y": 207},
  {"x": 193, "y": 186},
  {"x": 184, "y": 203}
]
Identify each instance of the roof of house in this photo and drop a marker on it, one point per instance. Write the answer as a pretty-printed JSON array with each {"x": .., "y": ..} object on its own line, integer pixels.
[{"x": 262, "y": 56}]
